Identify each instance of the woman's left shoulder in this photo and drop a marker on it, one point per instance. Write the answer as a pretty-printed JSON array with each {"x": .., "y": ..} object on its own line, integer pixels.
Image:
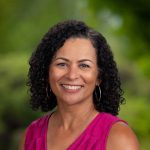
[{"x": 122, "y": 137}]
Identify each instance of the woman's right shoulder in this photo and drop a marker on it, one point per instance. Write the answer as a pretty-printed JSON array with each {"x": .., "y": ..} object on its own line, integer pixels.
[
  {"x": 22, "y": 140},
  {"x": 35, "y": 127},
  {"x": 40, "y": 122},
  {"x": 33, "y": 131}
]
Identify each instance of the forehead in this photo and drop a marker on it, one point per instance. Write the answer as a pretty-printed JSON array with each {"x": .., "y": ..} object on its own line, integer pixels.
[{"x": 77, "y": 48}]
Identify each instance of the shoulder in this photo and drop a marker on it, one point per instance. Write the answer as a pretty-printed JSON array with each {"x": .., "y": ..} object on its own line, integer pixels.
[
  {"x": 38, "y": 122},
  {"x": 22, "y": 140},
  {"x": 34, "y": 130},
  {"x": 37, "y": 127},
  {"x": 122, "y": 137}
]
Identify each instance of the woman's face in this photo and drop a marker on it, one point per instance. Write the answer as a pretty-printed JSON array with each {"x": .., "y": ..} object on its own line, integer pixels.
[{"x": 73, "y": 72}]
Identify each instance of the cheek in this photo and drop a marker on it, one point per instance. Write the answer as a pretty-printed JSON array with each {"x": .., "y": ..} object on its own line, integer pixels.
[
  {"x": 91, "y": 77},
  {"x": 54, "y": 75}
]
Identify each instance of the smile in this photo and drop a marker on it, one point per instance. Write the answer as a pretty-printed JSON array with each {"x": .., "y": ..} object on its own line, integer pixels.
[{"x": 72, "y": 87}]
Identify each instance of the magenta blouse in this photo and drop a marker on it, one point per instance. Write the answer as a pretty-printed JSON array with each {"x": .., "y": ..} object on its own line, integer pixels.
[{"x": 94, "y": 137}]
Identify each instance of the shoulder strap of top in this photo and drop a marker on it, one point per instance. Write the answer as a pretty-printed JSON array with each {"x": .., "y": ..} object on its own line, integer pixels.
[{"x": 105, "y": 125}]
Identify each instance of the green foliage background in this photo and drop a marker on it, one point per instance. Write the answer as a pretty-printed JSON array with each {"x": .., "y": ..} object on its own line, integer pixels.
[{"x": 125, "y": 24}]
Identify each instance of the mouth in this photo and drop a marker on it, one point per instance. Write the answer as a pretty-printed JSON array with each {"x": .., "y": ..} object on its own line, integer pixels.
[{"x": 71, "y": 87}]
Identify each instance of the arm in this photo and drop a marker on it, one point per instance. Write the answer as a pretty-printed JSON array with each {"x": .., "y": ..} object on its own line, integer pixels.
[
  {"x": 121, "y": 137},
  {"x": 22, "y": 141}
]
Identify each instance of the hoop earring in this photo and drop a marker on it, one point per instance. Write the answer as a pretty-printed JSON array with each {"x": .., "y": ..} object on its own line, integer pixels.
[
  {"x": 48, "y": 91},
  {"x": 99, "y": 89}
]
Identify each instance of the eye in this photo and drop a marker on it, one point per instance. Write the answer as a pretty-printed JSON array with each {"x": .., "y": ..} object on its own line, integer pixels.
[
  {"x": 84, "y": 66},
  {"x": 62, "y": 65}
]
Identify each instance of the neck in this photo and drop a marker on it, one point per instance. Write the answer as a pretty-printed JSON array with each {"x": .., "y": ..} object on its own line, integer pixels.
[{"x": 72, "y": 117}]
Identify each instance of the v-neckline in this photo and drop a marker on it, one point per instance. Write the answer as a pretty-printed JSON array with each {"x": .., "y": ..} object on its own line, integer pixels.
[
  {"x": 84, "y": 131},
  {"x": 77, "y": 139}
]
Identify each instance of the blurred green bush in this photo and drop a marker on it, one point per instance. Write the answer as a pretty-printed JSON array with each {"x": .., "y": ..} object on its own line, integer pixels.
[{"x": 126, "y": 28}]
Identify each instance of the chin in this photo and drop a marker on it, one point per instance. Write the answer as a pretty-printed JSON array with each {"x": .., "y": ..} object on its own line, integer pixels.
[{"x": 71, "y": 100}]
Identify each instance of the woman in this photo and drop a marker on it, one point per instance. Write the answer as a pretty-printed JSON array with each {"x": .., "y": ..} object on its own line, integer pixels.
[{"x": 73, "y": 71}]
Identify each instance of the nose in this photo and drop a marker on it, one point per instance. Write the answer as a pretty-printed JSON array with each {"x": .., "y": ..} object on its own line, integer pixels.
[{"x": 73, "y": 73}]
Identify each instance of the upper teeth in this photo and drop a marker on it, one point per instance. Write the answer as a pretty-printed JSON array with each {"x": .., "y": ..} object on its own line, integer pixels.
[{"x": 72, "y": 87}]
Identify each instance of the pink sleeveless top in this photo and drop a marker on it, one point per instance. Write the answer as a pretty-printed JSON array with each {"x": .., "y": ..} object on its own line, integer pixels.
[{"x": 94, "y": 137}]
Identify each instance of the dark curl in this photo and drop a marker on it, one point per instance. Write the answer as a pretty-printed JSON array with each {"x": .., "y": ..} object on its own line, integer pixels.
[{"x": 41, "y": 97}]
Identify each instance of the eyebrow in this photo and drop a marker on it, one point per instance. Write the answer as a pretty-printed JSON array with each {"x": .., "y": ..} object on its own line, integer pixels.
[{"x": 82, "y": 60}]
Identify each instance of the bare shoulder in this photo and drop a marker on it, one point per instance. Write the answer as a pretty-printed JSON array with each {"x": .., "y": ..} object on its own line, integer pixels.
[
  {"x": 22, "y": 141},
  {"x": 121, "y": 137}
]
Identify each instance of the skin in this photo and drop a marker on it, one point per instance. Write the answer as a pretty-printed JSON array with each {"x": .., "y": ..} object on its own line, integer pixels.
[
  {"x": 74, "y": 65},
  {"x": 121, "y": 137},
  {"x": 73, "y": 75}
]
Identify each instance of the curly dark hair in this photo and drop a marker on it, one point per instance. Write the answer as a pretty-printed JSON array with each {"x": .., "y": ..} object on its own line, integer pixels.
[{"x": 41, "y": 97}]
